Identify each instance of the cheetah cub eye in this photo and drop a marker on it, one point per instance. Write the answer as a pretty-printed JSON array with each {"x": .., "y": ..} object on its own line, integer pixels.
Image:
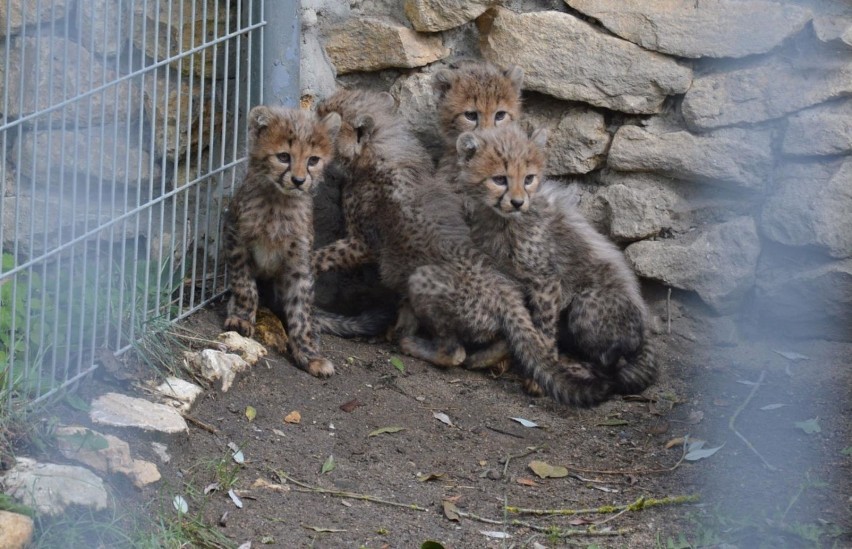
[{"x": 471, "y": 115}]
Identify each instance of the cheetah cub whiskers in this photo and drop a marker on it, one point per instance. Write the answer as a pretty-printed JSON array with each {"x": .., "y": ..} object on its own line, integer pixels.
[
  {"x": 269, "y": 225},
  {"x": 579, "y": 288}
]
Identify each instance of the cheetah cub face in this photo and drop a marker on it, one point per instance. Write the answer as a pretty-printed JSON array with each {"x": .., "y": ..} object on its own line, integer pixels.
[
  {"x": 502, "y": 167},
  {"x": 360, "y": 112},
  {"x": 477, "y": 96},
  {"x": 290, "y": 149}
]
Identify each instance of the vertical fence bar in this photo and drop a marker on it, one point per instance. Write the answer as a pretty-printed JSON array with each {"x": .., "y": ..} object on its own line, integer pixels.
[{"x": 281, "y": 41}]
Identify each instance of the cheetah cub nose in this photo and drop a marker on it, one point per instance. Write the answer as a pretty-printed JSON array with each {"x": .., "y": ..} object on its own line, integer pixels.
[
  {"x": 297, "y": 181},
  {"x": 517, "y": 203}
]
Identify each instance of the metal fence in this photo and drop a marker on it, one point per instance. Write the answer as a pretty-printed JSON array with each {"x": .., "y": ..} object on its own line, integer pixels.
[{"x": 122, "y": 135}]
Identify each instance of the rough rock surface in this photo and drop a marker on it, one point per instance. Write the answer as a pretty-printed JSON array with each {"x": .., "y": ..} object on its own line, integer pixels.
[
  {"x": 577, "y": 138},
  {"x": 821, "y": 130},
  {"x": 371, "y": 44},
  {"x": 811, "y": 206},
  {"x": 805, "y": 298},
  {"x": 125, "y": 411},
  {"x": 104, "y": 453},
  {"x": 767, "y": 89},
  {"x": 104, "y": 25},
  {"x": 717, "y": 262},
  {"x": 51, "y": 488},
  {"x": 728, "y": 157},
  {"x": 438, "y": 15},
  {"x": 710, "y": 28},
  {"x": 43, "y": 71},
  {"x": 570, "y": 59},
  {"x": 179, "y": 393},
  {"x": 250, "y": 350},
  {"x": 16, "y": 531},
  {"x": 26, "y": 12},
  {"x": 215, "y": 365}
]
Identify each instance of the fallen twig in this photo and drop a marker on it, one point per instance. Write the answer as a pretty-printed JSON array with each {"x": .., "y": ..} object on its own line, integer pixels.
[
  {"x": 737, "y": 413},
  {"x": 638, "y": 505},
  {"x": 510, "y": 457},
  {"x": 555, "y": 530},
  {"x": 282, "y": 476},
  {"x": 502, "y": 432},
  {"x": 669, "y": 311},
  {"x": 198, "y": 423}
]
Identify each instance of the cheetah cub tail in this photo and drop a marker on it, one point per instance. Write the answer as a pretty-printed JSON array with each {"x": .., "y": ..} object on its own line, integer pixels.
[
  {"x": 367, "y": 324},
  {"x": 635, "y": 374}
]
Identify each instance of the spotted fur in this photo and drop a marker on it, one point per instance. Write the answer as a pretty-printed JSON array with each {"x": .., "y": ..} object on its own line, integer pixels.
[
  {"x": 579, "y": 288},
  {"x": 411, "y": 223},
  {"x": 268, "y": 231}
]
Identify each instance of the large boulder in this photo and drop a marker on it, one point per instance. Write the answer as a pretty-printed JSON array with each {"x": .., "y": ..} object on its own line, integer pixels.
[
  {"x": 730, "y": 157},
  {"x": 568, "y": 58},
  {"x": 710, "y": 28},
  {"x": 19, "y": 13},
  {"x": 104, "y": 25},
  {"x": 822, "y": 130},
  {"x": 577, "y": 139},
  {"x": 51, "y": 489},
  {"x": 766, "y": 89},
  {"x": 439, "y": 15},
  {"x": 811, "y": 206},
  {"x": 372, "y": 44},
  {"x": 717, "y": 262}
]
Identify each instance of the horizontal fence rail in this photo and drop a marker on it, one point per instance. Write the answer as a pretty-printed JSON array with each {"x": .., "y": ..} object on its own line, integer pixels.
[{"x": 122, "y": 133}]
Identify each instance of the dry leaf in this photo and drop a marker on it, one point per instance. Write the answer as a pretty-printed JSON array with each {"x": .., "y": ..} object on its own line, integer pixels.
[
  {"x": 443, "y": 418},
  {"x": 322, "y": 530},
  {"x": 383, "y": 430},
  {"x": 251, "y": 413},
  {"x": 212, "y": 487},
  {"x": 545, "y": 470},
  {"x": 263, "y": 483},
  {"x": 580, "y": 521},
  {"x": 350, "y": 406},
  {"x": 526, "y": 481},
  {"x": 661, "y": 427},
  {"x": 695, "y": 417},
  {"x": 235, "y": 498},
  {"x": 293, "y": 417},
  {"x": 450, "y": 510},
  {"x": 430, "y": 476}
]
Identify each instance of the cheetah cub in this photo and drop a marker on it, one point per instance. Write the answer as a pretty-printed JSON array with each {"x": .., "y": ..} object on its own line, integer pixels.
[
  {"x": 269, "y": 225},
  {"x": 579, "y": 288}
]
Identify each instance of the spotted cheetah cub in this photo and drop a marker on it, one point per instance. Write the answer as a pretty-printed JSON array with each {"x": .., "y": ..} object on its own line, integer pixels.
[
  {"x": 269, "y": 225},
  {"x": 579, "y": 288},
  {"x": 411, "y": 224},
  {"x": 472, "y": 96}
]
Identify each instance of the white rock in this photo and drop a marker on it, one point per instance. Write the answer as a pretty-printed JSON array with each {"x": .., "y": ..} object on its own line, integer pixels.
[
  {"x": 125, "y": 411},
  {"x": 179, "y": 393},
  {"x": 250, "y": 350},
  {"x": 213, "y": 365},
  {"x": 51, "y": 488},
  {"x": 161, "y": 450}
]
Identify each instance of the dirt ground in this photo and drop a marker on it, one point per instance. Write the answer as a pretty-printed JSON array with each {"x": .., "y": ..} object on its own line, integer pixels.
[{"x": 615, "y": 454}]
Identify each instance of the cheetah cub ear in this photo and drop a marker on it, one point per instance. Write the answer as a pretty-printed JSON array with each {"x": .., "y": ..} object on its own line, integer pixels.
[
  {"x": 387, "y": 101},
  {"x": 332, "y": 124},
  {"x": 467, "y": 144},
  {"x": 539, "y": 137},
  {"x": 258, "y": 119},
  {"x": 442, "y": 81},
  {"x": 364, "y": 126},
  {"x": 515, "y": 74}
]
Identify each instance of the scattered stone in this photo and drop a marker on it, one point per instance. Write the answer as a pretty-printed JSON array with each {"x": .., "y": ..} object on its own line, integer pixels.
[
  {"x": 18, "y": 13},
  {"x": 103, "y": 25},
  {"x": 213, "y": 365},
  {"x": 40, "y": 70},
  {"x": 372, "y": 44},
  {"x": 568, "y": 58},
  {"x": 179, "y": 393},
  {"x": 710, "y": 28},
  {"x": 727, "y": 157},
  {"x": 637, "y": 213},
  {"x": 439, "y": 15},
  {"x": 717, "y": 262},
  {"x": 767, "y": 89},
  {"x": 577, "y": 139},
  {"x": 804, "y": 298},
  {"x": 124, "y": 411},
  {"x": 811, "y": 206},
  {"x": 16, "y": 531},
  {"x": 821, "y": 130},
  {"x": 104, "y": 453},
  {"x": 50, "y": 489},
  {"x": 161, "y": 451},
  {"x": 250, "y": 350},
  {"x": 269, "y": 330}
]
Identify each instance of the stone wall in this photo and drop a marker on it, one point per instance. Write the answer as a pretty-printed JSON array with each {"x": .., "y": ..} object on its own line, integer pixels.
[
  {"x": 127, "y": 133},
  {"x": 712, "y": 139}
]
